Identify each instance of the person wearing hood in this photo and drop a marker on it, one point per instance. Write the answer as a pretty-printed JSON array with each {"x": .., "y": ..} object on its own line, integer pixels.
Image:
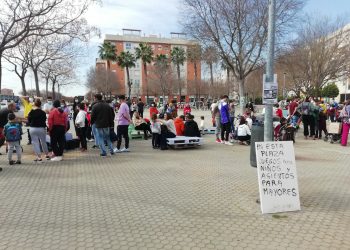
[
  {"x": 191, "y": 127},
  {"x": 57, "y": 124},
  {"x": 225, "y": 120}
]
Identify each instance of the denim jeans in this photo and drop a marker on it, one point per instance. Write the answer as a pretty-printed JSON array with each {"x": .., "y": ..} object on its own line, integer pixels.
[
  {"x": 94, "y": 132},
  {"x": 103, "y": 136}
]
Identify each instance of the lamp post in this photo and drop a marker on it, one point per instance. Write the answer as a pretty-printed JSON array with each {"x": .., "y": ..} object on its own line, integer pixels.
[{"x": 268, "y": 130}]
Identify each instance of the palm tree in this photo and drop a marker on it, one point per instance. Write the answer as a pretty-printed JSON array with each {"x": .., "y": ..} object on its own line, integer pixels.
[
  {"x": 178, "y": 57},
  {"x": 107, "y": 51},
  {"x": 127, "y": 60},
  {"x": 194, "y": 55},
  {"x": 145, "y": 53}
]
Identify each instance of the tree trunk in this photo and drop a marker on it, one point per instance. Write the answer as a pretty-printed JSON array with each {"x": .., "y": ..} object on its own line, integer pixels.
[
  {"x": 211, "y": 74},
  {"x": 179, "y": 79},
  {"x": 23, "y": 86},
  {"x": 47, "y": 88},
  {"x": 242, "y": 101},
  {"x": 53, "y": 91},
  {"x": 129, "y": 83},
  {"x": 36, "y": 78},
  {"x": 146, "y": 82}
]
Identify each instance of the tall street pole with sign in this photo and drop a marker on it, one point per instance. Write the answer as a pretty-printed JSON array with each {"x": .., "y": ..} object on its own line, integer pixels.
[{"x": 270, "y": 81}]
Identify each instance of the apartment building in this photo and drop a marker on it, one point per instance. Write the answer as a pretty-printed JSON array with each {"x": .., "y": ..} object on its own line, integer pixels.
[{"x": 129, "y": 41}]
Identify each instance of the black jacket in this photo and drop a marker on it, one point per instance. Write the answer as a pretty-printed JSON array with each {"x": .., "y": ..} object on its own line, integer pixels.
[
  {"x": 191, "y": 129},
  {"x": 102, "y": 115}
]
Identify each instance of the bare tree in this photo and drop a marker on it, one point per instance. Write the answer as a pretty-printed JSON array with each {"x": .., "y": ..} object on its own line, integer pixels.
[
  {"x": 161, "y": 76},
  {"x": 100, "y": 81},
  {"x": 320, "y": 54},
  {"x": 20, "y": 19},
  {"x": 237, "y": 29}
]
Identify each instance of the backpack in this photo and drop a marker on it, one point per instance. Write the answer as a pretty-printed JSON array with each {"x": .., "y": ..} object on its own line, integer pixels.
[
  {"x": 305, "y": 107},
  {"x": 13, "y": 133}
]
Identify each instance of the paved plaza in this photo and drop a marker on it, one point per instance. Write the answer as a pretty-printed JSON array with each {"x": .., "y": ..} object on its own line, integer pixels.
[{"x": 202, "y": 198}]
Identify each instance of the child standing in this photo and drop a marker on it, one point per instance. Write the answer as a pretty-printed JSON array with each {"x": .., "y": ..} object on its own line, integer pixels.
[
  {"x": 156, "y": 131},
  {"x": 201, "y": 125},
  {"x": 13, "y": 135}
]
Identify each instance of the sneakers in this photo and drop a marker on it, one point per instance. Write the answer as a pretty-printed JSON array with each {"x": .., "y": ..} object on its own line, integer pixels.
[
  {"x": 228, "y": 143},
  {"x": 222, "y": 142},
  {"x": 116, "y": 150},
  {"x": 38, "y": 160},
  {"x": 125, "y": 150},
  {"x": 18, "y": 162},
  {"x": 11, "y": 162},
  {"x": 57, "y": 158},
  {"x": 103, "y": 155},
  {"x": 218, "y": 140}
]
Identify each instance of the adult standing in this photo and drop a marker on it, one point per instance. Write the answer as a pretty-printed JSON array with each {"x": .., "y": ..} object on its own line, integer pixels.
[
  {"x": 123, "y": 125},
  {"x": 81, "y": 124},
  {"x": 216, "y": 117},
  {"x": 306, "y": 109},
  {"x": 153, "y": 109},
  {"x": 293, "y": 112},
  {"x": 48, "y": 105},
  {"x": 345, "y": 114},
  {"x": 37, "y": 130},
  {"x": 102, "y": 116},
  {"x": 57, "y": 128},
  {"x": 28, "y": 105},
  {"x": 225, "y": 120},
  {"x": 140, "y": 107}
]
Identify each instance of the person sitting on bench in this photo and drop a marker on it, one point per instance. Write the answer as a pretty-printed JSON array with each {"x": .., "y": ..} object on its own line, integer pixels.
[
  {"x": 191, "y": 127},
  {"x": 141, "y": 124},
  {"x": 167, "y": 130}
]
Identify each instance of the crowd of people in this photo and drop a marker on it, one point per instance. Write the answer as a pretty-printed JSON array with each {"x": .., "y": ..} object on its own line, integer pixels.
[{"x": 105, "y": 123}]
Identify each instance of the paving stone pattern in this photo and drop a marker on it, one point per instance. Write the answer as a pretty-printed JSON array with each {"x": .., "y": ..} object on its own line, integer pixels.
[{"x": 200, "y": 198}]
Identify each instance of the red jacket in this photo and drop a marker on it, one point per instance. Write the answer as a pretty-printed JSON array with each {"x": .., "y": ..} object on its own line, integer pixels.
[
  {"x": 179, "y": 126},
  {"x": 56, "y": 117},
  {"x": 153, "y": 110},
  {"x": 279, "y": 113}
]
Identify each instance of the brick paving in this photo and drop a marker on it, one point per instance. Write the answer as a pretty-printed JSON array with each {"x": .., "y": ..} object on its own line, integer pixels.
[{"x": 201, "y": 198}]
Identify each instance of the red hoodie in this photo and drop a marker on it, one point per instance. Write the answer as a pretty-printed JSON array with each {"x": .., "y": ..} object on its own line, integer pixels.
[
  {"x": 56, "y": 117},
  {"x": 179, "y": 126}
]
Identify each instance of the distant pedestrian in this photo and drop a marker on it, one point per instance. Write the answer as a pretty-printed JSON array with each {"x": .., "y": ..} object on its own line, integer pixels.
[
  {"x": 140, "y": 107},
  {"x": 81, "y": 123}
]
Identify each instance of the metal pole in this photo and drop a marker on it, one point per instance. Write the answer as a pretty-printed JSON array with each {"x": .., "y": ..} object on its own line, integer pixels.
[{"x": 268, "y": 130}]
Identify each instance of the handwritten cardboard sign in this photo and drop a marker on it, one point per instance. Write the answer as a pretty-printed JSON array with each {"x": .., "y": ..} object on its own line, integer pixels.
[{"x": 277, "y": 175}]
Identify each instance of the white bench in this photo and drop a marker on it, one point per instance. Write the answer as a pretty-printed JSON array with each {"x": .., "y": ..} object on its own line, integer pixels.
[
  {"x": 184, "y": 141},
  {"x": 210, "y": 130}
]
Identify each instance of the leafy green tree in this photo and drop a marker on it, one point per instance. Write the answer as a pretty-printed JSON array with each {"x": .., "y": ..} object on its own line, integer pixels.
[
  {"x": 127, "y": 60},
  {"x": 330, "y": 91},
  {"x": 145, "y": 53},
  {"x": 178, "y": 57},
  {"x": 107, "y": 51}
]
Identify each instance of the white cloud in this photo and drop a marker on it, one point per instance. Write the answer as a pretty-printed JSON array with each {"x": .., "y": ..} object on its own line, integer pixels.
[{"x": 150, "y": 16}]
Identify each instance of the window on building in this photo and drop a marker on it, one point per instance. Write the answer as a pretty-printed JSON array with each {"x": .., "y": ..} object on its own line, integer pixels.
[
  {"x": 159, "y": 47},
  {"x": 128, "y": 46}
]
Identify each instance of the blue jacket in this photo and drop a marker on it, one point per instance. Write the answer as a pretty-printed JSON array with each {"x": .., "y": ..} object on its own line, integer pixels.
[{"x": 224, "y": 111}]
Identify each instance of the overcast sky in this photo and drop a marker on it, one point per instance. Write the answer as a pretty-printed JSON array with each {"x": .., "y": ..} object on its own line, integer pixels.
[{"x": 150, "y": 16}]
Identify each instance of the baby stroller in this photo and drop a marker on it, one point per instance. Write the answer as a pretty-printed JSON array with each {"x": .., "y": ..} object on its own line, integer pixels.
[
  {"x": 334, "y": 132},
  {"x": 286, "y": 133}
]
